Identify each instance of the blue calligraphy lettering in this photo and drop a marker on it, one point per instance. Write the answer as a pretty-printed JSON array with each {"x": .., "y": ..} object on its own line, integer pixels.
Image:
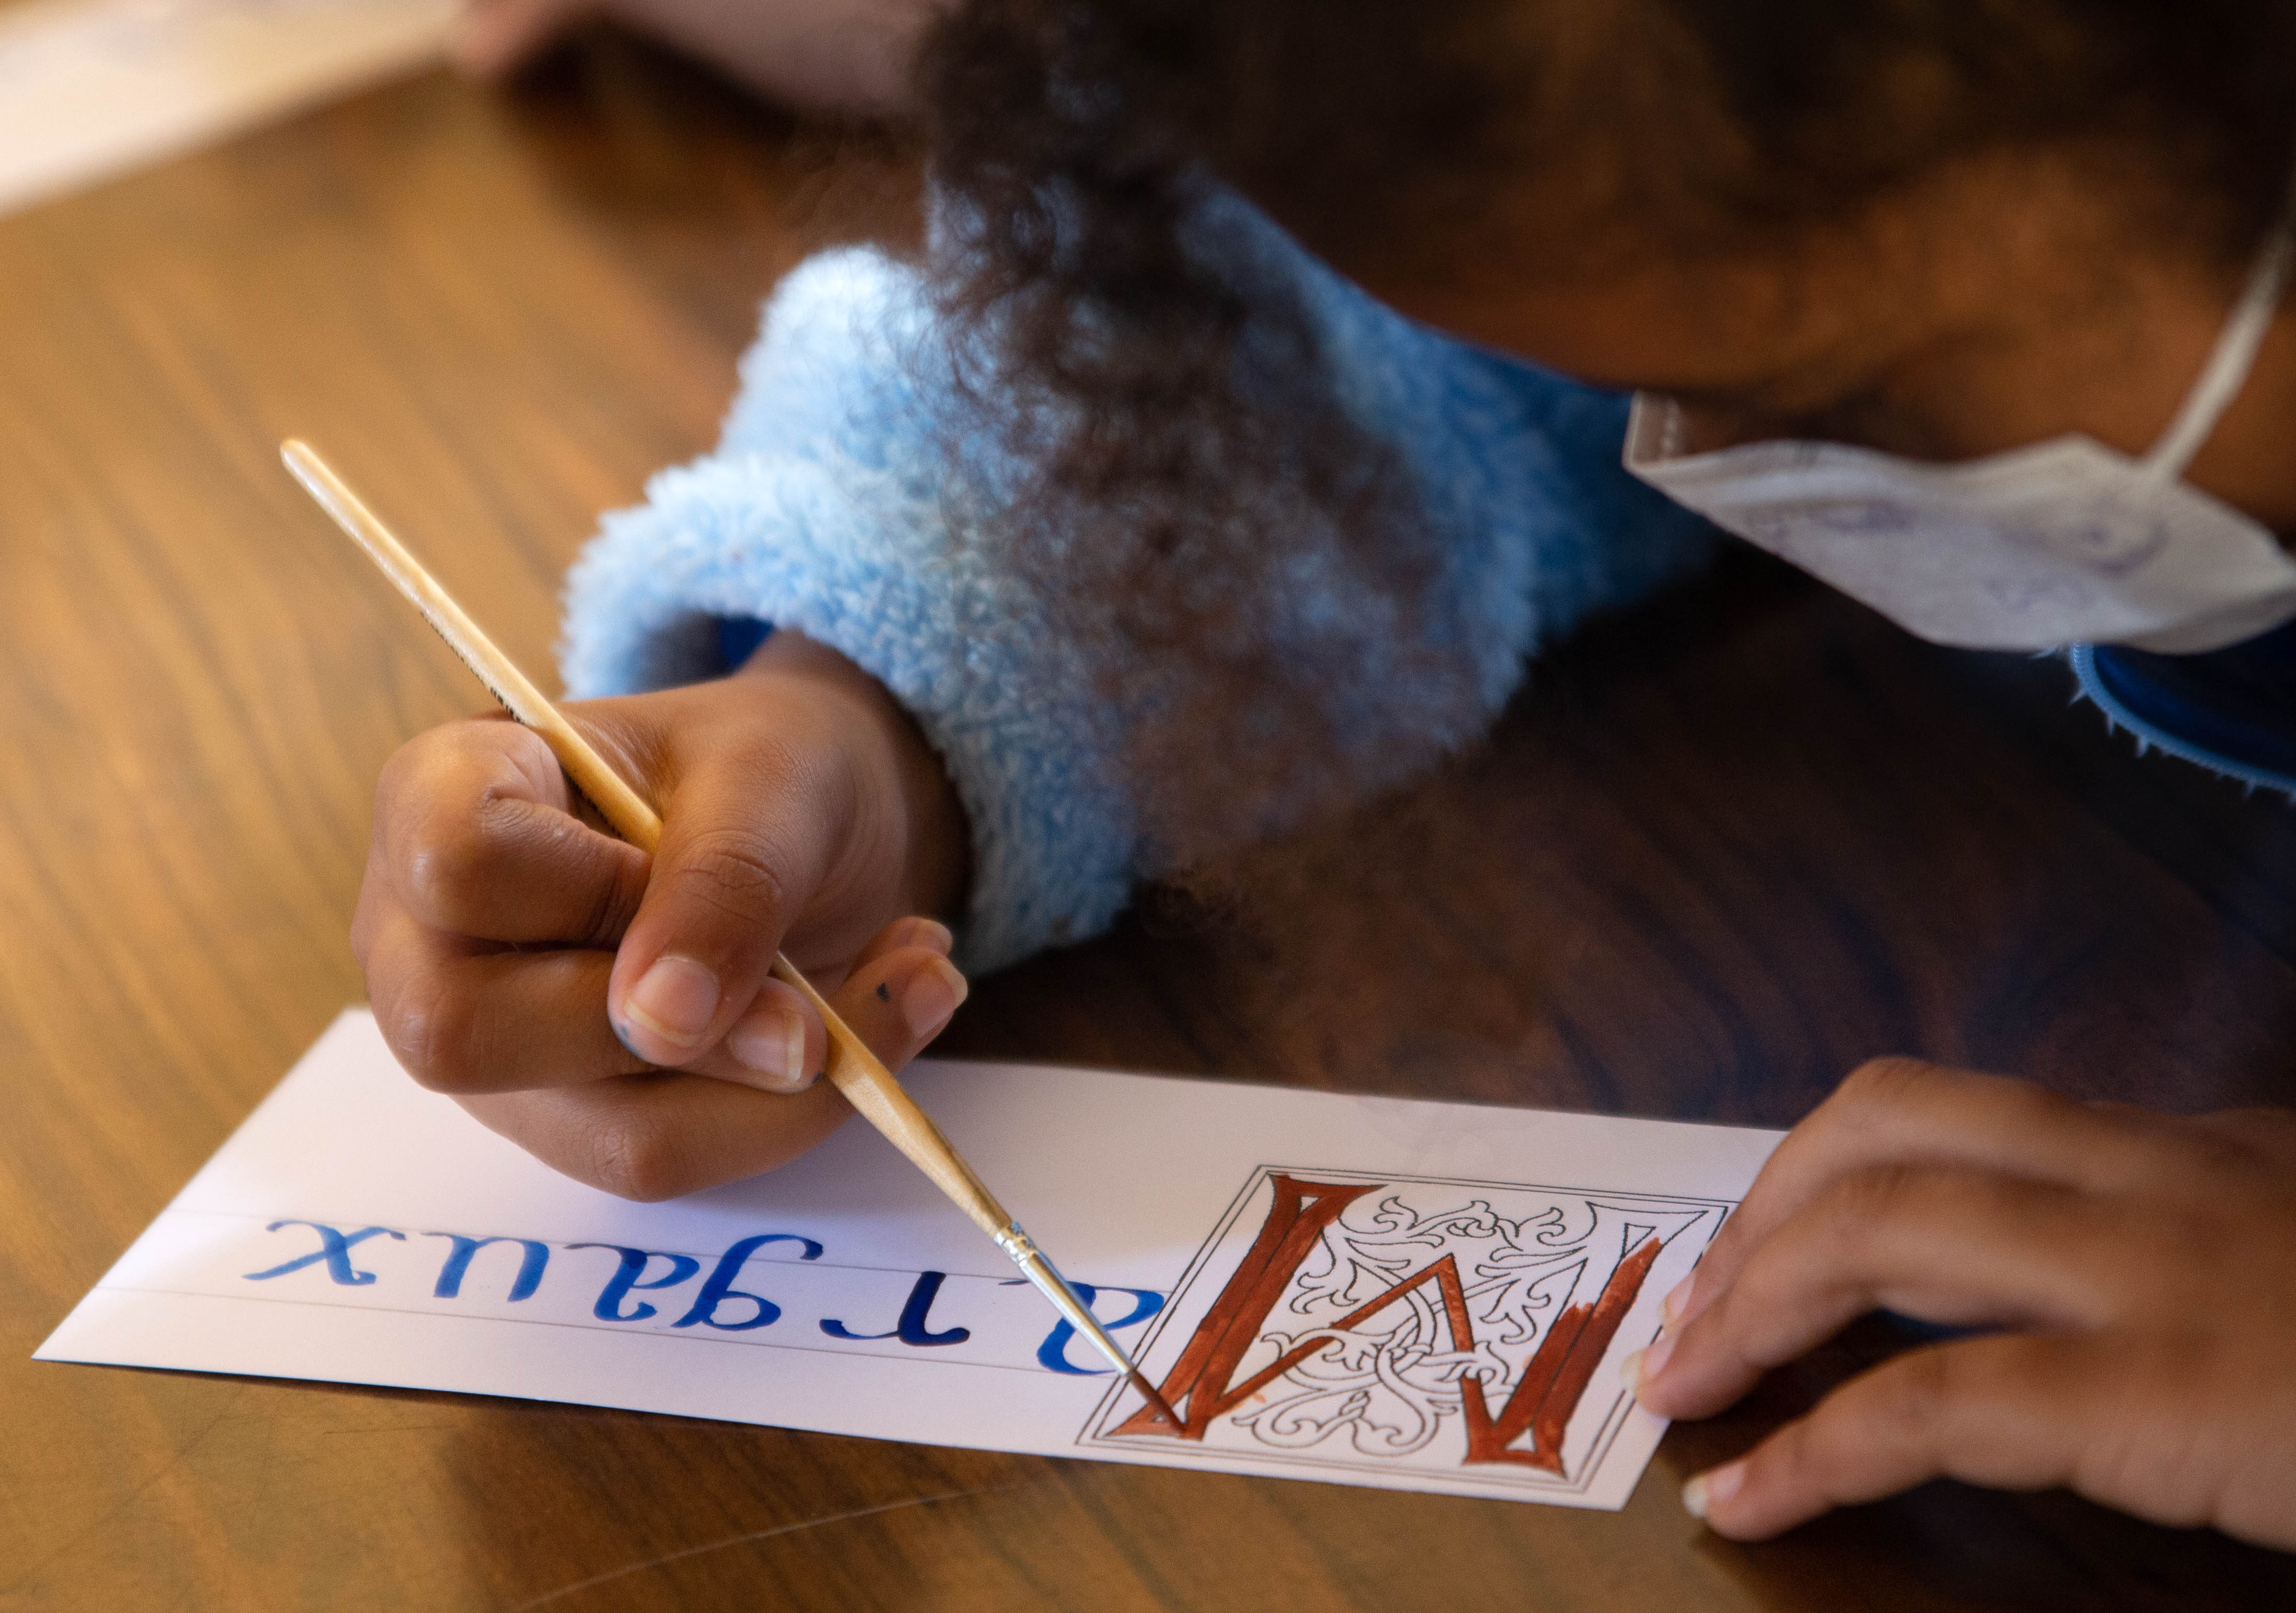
[
  {"x": 1053, "y": 1354},
  {"x": 626, "y": 1277},
  {"x": 458, "y": 1264},
  {"x": 335, "y": 1249},
  {"x": 911, "y": 1328},
  {"x": 720, "y": 1288}
]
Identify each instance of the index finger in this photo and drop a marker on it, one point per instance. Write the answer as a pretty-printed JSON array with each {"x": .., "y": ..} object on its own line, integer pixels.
[
  {"x": 476, "y": 831},
  {"x": 1903, "y": 1111},
  {"x": 2020, "y": 1412}
]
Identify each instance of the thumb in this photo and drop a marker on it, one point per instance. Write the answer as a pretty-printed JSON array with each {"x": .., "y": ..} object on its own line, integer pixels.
[{"x": 742, "y": 851}]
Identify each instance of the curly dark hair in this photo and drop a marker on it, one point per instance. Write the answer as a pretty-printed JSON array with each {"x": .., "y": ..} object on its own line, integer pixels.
[{"x": 1197, "y": 448}]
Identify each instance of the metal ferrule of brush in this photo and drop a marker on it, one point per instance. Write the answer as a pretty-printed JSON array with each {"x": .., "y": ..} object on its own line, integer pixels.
[
  {"x": 1047, "y": 1277},
  {"x": 1019, "y": 1245}
]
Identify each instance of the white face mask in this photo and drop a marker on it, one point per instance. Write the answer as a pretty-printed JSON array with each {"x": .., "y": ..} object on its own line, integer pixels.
[{"x": 2066, "y": 542}]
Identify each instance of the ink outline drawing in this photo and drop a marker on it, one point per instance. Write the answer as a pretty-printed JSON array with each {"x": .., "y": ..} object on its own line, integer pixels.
[{"x": 1367, "y": 1323}]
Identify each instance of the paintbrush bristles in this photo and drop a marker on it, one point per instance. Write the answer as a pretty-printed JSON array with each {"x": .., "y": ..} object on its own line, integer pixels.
[{"x": 854, "y": 1069}]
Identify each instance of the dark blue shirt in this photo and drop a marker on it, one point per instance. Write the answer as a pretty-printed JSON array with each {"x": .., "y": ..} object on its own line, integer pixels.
[{"x": 2232, "y": 710}]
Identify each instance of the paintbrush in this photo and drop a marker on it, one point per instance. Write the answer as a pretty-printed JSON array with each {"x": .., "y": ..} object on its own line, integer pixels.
[{"x": 856, "y": 1071}]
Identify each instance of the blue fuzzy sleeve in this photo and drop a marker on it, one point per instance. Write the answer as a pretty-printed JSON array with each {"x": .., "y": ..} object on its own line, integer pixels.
[{"x": 826, "y": 509}]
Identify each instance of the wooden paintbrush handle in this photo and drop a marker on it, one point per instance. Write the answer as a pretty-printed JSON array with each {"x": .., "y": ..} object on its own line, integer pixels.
[
  {"x": 869, "y": 1087},
  {"x": 857, "y": 1071}
]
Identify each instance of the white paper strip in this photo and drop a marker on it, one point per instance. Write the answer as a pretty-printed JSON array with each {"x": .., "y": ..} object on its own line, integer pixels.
[
  {"x": 1364, "y": 1291},
  {"x": 90, "y": 88}
]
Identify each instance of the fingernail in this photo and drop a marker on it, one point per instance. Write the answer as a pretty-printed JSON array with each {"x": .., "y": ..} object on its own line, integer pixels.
[
  {"x": 1712, "y": 1488},
  {"x": 770, "y": 1043},
  {"x": 1648, "y": 1363},
  {"x": 931, "y": 997},
  {"x": 1677, "y": 1299},
  {"x": 933, "y": 933},
  {"x": 676, "y": 1000}
]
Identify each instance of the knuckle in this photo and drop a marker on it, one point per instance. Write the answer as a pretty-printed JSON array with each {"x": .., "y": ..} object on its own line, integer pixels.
[
  {"x": 634, "y": 1157},
  {"x": 452, "y": 856},
  {"x": 1909, "y": 1404},
  {"x": 2024, "y": 1103},
  {"x": 1865, "y": 1433},
  {"x": 2149, "y": 1446},
  {"x": 445, "y": 864},
  {"x": 1757, "y": 1293},
  {"x": 1736, "y": 1325},
  {"x": 431, "y": 1026},
  {"x": 417, "y": 769},
  {"x": 402, "y": 771},
  {"x": 733, "y": 871},
  {"x": 1885, "y": 1083},
  {"x": 1756, "y": 1321},
  {"x": 613, "y": 904},
  {"x": 1864, "y": 1199}
]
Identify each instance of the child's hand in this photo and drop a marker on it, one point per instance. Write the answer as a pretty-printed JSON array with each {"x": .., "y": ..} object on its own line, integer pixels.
[
  {"x": 825, "y": 56},
  {"x": 2140, "y": 1269},
  {"x": 611, "y": 1013}
]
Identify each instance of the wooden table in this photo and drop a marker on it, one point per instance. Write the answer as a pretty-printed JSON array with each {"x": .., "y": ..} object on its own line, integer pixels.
[{"x": 1721, "y": 851}]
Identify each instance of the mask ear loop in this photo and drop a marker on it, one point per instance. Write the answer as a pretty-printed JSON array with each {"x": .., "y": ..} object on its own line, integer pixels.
[{"x": 2228, "y": 366}]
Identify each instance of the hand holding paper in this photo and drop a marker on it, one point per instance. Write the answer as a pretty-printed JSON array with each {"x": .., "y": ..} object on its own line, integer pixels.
[{"x": 2133, "y": 1276}]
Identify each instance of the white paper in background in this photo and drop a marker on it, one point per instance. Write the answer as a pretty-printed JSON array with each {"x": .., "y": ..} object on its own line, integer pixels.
[
  {"x": 91, "y": 88},
  {"x": 1367, "y": 1290}
]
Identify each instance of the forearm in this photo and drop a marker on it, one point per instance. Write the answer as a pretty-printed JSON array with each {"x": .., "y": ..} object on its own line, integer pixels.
[{"x": 834, "y": 508}]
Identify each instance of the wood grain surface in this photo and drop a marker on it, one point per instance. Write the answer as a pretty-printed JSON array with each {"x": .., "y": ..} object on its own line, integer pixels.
[{"x": 1721, "y": 850}]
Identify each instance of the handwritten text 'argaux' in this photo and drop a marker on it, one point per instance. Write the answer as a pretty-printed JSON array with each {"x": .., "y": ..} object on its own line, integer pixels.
[{"x": 718, "y": 1304}]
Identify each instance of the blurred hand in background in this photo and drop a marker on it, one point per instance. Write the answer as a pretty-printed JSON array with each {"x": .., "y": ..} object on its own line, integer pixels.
[{"x": 849, "y": 56}]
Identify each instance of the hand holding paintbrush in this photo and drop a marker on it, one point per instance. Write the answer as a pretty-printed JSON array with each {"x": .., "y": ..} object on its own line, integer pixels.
[
  {"x": 605, "y": 1007},
  {"x": 535, "y": 894}
]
